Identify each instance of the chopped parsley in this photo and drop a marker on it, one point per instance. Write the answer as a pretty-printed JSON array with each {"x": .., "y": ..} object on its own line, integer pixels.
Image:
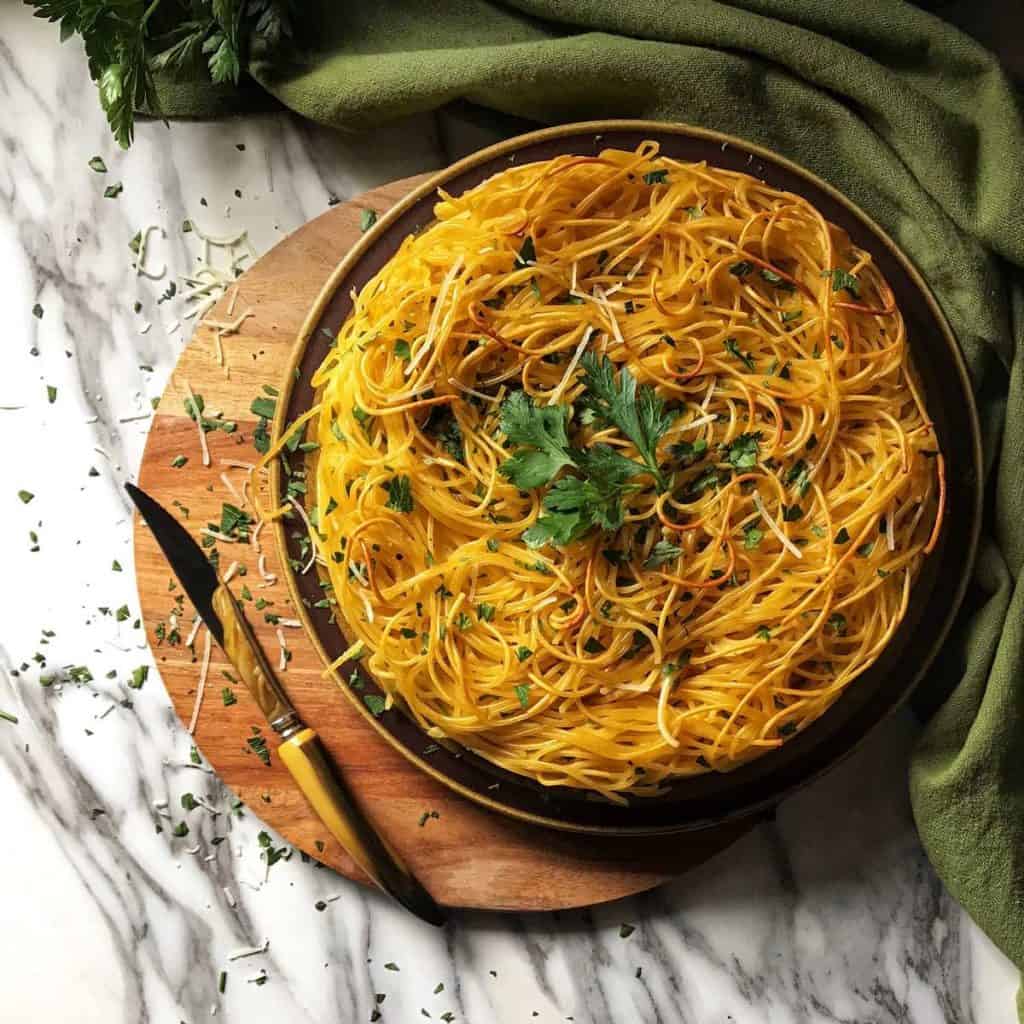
[
  {"x": 523, "y": 695},
  {"x": 662, "y": 552},
  {"x": 842, "y": 536},
  {"x": 843, "y": 280},
  {"x": 656, "y": 177},
  {"x": 227, "y": 695},
  {"x": 367, "y": 219},
  {"x": 752, "y": 536},
  {"x": 836, "y": 624},
  {"x": 732, "y": 347},
  {"x": 25, "y": 496},
  {"x": 742, "y": 452},
  {"x": 523, "y": 653},
  {"x": 776, "y": 280},
  {"x": 402, "y": 350},
  {"x": 399, "y": 490},
  {"x": 258, "y": 745},
  {"x": 96, "y": 164},
  {"x": 688, "y": 452},
  {"x": 798, "y": 477},
  {"x": 263, "y": 407},
  {"x": 741, "y": 269},
  {"x": 113, "y": 191},
  {"x": 375, "y": 703},
  {"x": 485, "y": 612}
]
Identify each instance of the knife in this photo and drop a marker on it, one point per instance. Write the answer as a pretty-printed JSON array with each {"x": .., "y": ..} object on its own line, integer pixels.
[{"x": 301, "y": 749}]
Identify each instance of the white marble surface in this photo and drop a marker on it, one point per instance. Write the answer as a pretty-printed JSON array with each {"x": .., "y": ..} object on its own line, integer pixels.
[{"x": 831, "y": 913}]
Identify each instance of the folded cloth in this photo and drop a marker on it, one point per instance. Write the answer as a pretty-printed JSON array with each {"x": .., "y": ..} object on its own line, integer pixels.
[{"x": 907, "y": 116}]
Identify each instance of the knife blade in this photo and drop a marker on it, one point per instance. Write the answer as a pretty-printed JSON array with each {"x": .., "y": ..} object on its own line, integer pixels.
[{"x": 301, "y": 749}]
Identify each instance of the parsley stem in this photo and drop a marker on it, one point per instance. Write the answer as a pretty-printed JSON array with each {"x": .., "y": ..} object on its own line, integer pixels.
[{"x": 149, "y": 10}]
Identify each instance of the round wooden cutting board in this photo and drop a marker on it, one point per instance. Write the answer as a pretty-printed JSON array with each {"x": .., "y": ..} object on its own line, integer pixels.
[{"x": 466, "y": 856}]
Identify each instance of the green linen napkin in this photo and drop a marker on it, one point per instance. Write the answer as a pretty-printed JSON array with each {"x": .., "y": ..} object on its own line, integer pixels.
[{"x": 907, "y": 116}]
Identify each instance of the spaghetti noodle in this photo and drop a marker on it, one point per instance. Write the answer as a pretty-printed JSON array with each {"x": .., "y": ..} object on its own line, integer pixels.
[{"x": 623, "y": 472}]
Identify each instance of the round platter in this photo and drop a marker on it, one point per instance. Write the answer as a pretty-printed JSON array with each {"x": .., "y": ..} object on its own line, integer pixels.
[
  {"x": 711, "y": 799},
  {"x": 466, "y": 856}
]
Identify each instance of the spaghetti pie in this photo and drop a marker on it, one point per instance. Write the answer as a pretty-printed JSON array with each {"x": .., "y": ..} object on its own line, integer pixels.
[{"x": 623, "y": 471}]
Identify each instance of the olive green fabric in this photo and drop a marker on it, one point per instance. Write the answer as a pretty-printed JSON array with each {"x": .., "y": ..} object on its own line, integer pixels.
[{"x": 907, "y": 116}]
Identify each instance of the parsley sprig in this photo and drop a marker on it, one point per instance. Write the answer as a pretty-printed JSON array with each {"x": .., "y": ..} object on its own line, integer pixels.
[
  {"x": 576, "y": 504},
  {"x": 126, "y": 41}
]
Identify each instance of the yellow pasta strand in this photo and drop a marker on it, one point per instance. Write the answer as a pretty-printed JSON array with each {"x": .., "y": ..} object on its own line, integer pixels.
[{"x": 593, "y": 665}]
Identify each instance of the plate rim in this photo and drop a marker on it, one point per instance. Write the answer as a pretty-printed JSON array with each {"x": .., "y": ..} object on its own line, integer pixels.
[{"x": 502, "y": 148}]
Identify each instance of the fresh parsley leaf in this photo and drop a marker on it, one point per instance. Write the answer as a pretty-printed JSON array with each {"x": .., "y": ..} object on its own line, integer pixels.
[
  {"x": 752, "y": 536},
  {"x": 656, "y": 177},
  {"x": 399, "y": 490},
  {"x": 574, "y": 506},
  {"x": 843, "y": 280},
  {"x": 402, "y": 349},
  {"x": 543, "y": 429},
  {"x": 485, "y": 612},
  {"x": 523, "y": 653},
  {"x": 523, "y": 692},
  {"x": 733, "y": 349},
  {"x": 662, "y": 552},
  {"x": 763, "y": 633},
  {"x": 637, "y": 412}
]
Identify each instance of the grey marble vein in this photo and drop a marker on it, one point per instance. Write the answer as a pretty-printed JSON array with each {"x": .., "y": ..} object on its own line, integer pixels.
[{"x": 829, "y": 913}]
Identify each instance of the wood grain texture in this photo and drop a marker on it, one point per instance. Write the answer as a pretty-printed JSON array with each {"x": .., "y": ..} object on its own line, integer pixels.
[{"x": 466, "y": 857}]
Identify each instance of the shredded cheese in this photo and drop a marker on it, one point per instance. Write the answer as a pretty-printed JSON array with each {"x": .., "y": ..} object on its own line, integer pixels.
[
  {"x": 201, "y": 688},
  {"x": 776, "y": 529},
  {"x": 199, "y": 424}
]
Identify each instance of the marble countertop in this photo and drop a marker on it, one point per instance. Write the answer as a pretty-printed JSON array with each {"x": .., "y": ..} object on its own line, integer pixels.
[{"x": 829, "y": 913}]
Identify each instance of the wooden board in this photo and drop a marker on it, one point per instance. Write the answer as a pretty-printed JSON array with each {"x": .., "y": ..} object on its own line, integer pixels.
[{"x": 466, "y": 857}]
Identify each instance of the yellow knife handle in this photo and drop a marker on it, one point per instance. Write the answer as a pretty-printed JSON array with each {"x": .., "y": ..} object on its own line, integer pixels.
[{"x": 323, "y": 787}]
